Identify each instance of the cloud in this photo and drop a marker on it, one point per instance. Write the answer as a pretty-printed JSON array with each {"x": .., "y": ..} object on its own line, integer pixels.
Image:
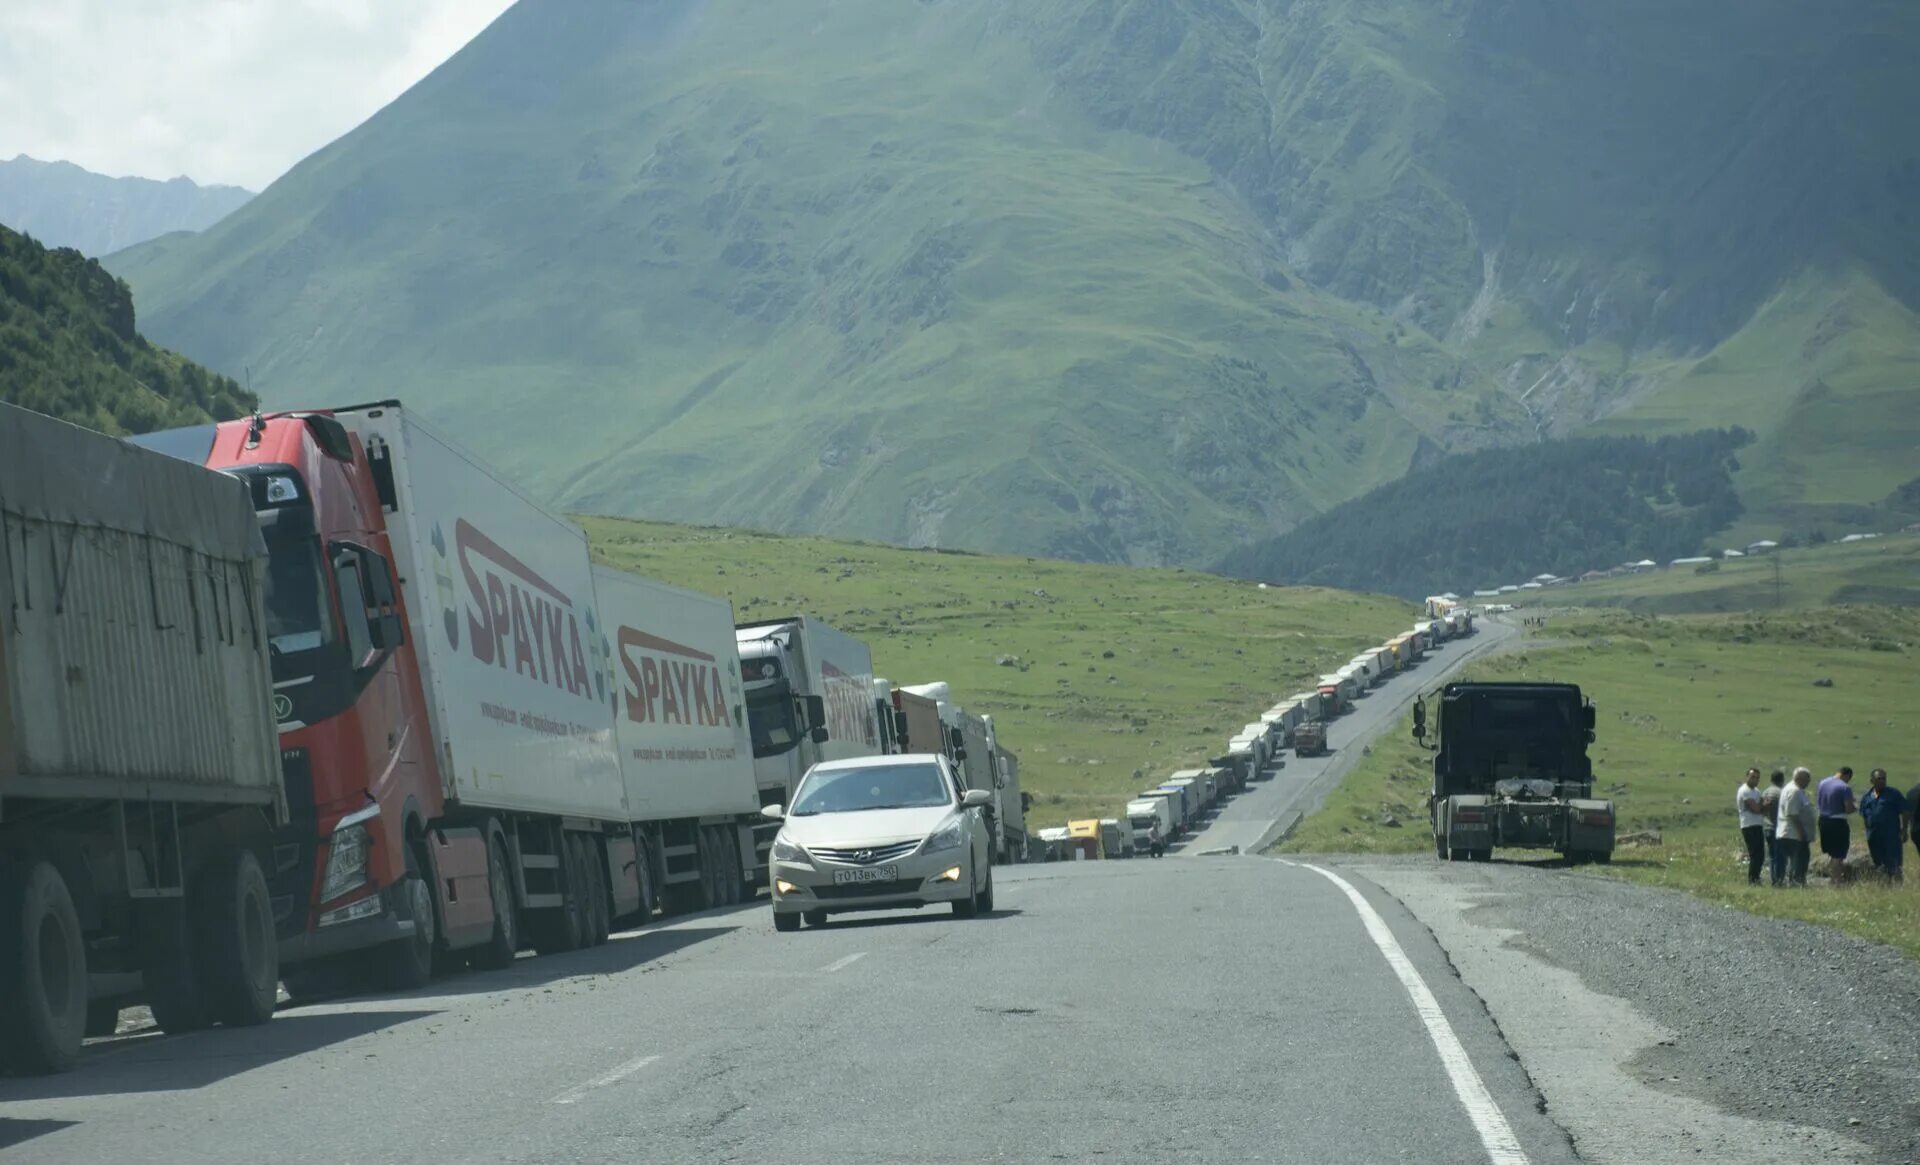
[{"x": 232, "y": 91}]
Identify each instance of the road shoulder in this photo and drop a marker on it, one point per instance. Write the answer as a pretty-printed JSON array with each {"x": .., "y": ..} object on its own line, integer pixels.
[{"x": 1659, "y": 1029}]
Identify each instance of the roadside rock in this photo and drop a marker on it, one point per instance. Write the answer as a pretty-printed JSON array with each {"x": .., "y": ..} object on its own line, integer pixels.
[{"x": 1823, "y": 682}]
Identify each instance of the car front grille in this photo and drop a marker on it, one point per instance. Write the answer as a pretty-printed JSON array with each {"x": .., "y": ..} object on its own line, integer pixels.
[
  {"x": 865, "y": 855},
  {"x": 866, "y": 889}
]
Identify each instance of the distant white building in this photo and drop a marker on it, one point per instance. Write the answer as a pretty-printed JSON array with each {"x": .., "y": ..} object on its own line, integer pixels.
[
  {"x": 1858, "y": 537},
  {"x": 1643, "y": 564},
  {"x": 1531, "y": 586},
  {"x": 1695, "y": 561},
  {"x": 1733, "y": 554},
  {"x": 1764, "y": 546},
  {"x": 1508, "y": 589},
  {"x": 1487, "y": 594}
]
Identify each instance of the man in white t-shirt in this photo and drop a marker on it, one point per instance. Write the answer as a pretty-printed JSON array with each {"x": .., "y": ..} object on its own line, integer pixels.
[{"x": 1753, "y": 824}]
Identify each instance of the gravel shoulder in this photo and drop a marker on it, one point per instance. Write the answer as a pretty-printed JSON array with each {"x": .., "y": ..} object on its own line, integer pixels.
[{"x": 1661, "y": 1028}]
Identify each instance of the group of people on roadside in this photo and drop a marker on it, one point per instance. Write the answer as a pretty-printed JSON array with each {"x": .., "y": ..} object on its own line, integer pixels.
[{"x": 1781, "y": 822}]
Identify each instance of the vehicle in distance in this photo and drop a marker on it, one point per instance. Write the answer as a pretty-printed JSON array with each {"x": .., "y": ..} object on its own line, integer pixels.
[{"x": 880, "y": 833}]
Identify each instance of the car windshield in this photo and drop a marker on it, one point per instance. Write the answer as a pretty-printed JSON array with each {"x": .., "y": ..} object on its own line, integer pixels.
[
  {"x": 296, "y": 599},
  {"x": 911, "y": 786}
]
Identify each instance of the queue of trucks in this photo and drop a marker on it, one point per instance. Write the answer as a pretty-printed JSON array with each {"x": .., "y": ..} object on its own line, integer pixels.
[{"x": 352, "y": 709}]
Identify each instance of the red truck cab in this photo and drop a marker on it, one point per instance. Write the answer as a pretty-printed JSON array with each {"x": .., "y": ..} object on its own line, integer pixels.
[{"x": 352, "y": 872}]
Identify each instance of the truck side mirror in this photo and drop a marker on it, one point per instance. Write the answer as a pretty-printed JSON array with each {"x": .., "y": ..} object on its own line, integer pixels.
[
  {"x": 388, "y": 633},
  {"x": 1420, "y": 720},
  {"x": 1587, "y": 719},
  {"x": 900, "y": 727},
  {"x": 816, "y": 707}
]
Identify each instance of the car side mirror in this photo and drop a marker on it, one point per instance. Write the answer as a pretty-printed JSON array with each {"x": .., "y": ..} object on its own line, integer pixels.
[
  {"x": 975, "y": 799},
  {"x": 773, "y": 812}
]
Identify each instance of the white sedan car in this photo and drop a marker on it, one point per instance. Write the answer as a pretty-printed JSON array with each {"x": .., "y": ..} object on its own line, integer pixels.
[{"x": 880, "y": 833}]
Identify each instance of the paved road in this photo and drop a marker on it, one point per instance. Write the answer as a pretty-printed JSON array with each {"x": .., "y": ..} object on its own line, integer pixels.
[
  {"x": 1201, "y": 1010},
  {"x": 1256, "y": 818}
]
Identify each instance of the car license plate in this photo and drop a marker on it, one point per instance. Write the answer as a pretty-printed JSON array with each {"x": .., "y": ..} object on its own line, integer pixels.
[{"x": 870, "y": 874}]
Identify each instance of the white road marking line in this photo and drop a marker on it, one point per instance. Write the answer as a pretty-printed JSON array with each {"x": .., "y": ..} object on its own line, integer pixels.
[
  {"x": 843, "y": 964},
  {"x": 1503, "y": 1148},
  {"x": 611, "y": 1076}
]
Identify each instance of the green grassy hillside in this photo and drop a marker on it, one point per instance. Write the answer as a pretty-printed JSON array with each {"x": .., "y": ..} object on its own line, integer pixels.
[
  {"x": 68, "y": 348},
  {"x": 1883, "y": 570},
  {"x": 1112, "y": 674},
  {"x": 1129, "y": 281},
  {"x": 1685, "y": 705}
]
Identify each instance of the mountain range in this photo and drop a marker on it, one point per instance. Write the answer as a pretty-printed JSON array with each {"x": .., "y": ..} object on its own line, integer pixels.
[
  {"x": 1129, "y": 280},
  {"x": 63, "y": 205}
]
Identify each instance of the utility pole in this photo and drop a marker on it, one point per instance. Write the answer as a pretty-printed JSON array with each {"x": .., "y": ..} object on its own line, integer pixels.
[{"x": 1776, "y": 578}]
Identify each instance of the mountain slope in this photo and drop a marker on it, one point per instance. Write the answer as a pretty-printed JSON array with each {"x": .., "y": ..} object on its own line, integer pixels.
[
  {"x": 1134, "y": 280},
  {"x": 65, "y": 206},
  {"x": 68, "y": 348}
]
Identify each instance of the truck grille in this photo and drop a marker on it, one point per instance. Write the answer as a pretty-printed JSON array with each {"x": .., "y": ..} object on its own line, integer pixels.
[{"x": 865, "y": 855}]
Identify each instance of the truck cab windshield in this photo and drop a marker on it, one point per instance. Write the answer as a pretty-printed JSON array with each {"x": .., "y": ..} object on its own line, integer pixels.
[
  {"x": 770, "y": 719},
  {"x": 299, "y": 618}
]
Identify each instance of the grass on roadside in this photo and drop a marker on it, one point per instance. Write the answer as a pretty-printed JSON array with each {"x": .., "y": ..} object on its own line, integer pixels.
[
  {"x": 1685, "y": 705},
  {"x": 1110, "y": 673}
]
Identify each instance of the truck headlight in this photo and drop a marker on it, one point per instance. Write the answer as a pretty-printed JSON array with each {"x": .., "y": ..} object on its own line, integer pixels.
[
  {"x": 346, "y": 862},
  {"x": 952, "y": 835},
  {"x": 786, "y": 850}
]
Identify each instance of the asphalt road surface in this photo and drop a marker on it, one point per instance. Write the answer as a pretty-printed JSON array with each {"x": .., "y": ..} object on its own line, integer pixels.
[
  {"x": 1269, "y": 808},
  {"x": 1205, "y": 1010}
]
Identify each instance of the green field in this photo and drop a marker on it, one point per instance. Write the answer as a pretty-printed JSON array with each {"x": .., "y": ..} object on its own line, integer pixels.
[
  {"x": 1686, "y": 704},
  {"x": 1883, "y": 571},
  {"x": 1121, "y": 673}
]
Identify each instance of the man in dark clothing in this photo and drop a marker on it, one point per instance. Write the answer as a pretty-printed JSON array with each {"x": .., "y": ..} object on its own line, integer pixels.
[
  {"x": 1834, "y": 798},
  {"x": 1884, "y": 811},
  {"x": 1770, "y": 804},
  {"x": 1913, "y": 809}
]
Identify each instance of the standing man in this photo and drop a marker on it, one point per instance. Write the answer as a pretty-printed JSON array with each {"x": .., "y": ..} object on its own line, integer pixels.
[
  {"x": 1913, "y": 809},
  {"x": 1885, "y": 813},
  {"x": 1154, "y": 845},
  {"x": 1770, "y": 801},
  {"x": 1836, "y": 806},
  {"x": 1753, "y": 823},
  {"x": 1797, "y": 821}
]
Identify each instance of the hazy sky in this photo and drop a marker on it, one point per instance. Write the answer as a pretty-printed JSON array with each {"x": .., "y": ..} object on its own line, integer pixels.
[{"x": 232, "y": 91}]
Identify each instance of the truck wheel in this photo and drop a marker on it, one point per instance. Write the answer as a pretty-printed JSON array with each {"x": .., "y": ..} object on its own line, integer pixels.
[
  {"x": 166, "y": 969},
  {"x": 238, "y": 959},
  {"x": 504, "y": 942},
  {"x": 1603, "y": 856},
  {"x": 408, "y": 963},
  {"x": 730, "y": 852},
  {"x": 1480, "y": 855},
  {"x": 1440, "y": 848},
  {"x": 785, "y": 923},
  {"x": 558, "y": 930},
  {"x": 43, "y": 971},
  {"x": 593, "y": 892},
  {"x": 815, "y": 917}
]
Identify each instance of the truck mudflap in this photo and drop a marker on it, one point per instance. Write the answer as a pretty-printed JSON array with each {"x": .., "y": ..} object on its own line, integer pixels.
[
  {"x": 1590, "y": 828},
  {"x": 1465, "y": 824}
]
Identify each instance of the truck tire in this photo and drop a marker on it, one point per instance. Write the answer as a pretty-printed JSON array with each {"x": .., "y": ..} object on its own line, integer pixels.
[
  {"x": 167, "y": 973},
  {"x": 558, "y": 930},
  {"x": 736, "y": 883},
  {"x": 501, "y": 946},
  {"x": 43, "y": 970},
  {"x": 1440, "y": 848},
  {"x": 1603, "y": 856},
  {"x": 1480, "y": 855},
  {"x": 815, "y": 917},
  {"x": 237, "y": 959},
  {"x": 593, "y": 887},
  {"x": 785, "y": 923},
  {"x": 407, "y": 964}
]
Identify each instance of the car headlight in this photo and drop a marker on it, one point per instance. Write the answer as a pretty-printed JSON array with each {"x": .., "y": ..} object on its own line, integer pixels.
[
  {"x": 952, "y": 835},
  {"x": 346, "y": 861},
  {"x": 785, "y": 850}
]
